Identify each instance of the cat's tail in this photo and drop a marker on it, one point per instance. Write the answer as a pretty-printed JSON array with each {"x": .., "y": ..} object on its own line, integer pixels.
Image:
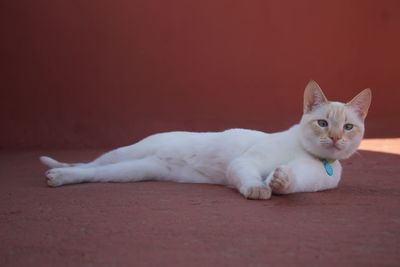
[{"x": 52, "y": 163}]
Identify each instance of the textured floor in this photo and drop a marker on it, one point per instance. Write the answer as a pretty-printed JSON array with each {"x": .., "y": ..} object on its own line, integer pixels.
[{"x": 167, "y": 224}]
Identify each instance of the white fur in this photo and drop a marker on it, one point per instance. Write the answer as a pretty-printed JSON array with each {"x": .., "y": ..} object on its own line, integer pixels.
[{"x": 253, "y": 162}]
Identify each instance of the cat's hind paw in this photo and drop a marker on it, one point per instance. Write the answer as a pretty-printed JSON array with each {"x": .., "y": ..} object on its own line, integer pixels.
[
  {"x": 258, "y": 192},
  {"x": 280, "y": 180},
  {"x": 54, "y": 178}
]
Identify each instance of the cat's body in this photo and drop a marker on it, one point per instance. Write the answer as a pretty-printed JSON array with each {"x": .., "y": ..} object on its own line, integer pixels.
[{"x": 253, "y": 162}]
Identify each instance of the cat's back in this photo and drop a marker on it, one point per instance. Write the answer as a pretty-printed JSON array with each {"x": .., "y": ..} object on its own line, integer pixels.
[
  {"x": 232, "y": 141},
  {"x": 235, "y": 135}
]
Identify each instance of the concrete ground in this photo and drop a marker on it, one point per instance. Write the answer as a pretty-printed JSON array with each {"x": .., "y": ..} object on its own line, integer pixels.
[{"x": 168, "y": 224}]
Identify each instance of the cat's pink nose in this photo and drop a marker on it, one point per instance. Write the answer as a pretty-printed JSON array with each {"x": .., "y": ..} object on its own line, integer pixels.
[{"x": 334, "y": 138}]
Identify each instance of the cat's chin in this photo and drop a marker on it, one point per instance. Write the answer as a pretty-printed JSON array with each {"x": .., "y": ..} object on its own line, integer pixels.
[
  {"x": 329, "y": 152},
  {"x": 342, "y": 152},
  {"x": 334, "y": 153}
]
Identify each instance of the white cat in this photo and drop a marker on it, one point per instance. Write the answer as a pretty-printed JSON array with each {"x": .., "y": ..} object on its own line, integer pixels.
[{"x": 301, "y": 159}]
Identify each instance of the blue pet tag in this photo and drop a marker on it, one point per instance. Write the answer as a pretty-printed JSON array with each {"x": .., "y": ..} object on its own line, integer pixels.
[{"x": 328, "y": 167}]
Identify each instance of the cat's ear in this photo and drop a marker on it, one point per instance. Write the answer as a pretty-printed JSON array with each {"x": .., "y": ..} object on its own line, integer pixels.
[
  {"x": 361, "y": 102},
  {"x": 313, "y": 97}
]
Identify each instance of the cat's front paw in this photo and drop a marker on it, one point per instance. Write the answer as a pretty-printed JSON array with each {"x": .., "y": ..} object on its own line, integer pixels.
[
  {"x": 258, "y": 192},
  {"x": 54, "y": 177},
  {"x": 280, "y": 180}
]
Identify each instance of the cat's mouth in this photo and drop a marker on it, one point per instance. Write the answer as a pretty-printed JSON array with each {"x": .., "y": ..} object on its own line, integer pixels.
[{"x": 333, "y": 147}]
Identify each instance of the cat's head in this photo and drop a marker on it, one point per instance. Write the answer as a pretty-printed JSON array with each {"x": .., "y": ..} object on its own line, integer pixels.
[{"x": 332, "y": 130}]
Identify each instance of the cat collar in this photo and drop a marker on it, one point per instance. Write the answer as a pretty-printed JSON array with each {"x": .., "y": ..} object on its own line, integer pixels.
[{"x": 327, "y": 166}]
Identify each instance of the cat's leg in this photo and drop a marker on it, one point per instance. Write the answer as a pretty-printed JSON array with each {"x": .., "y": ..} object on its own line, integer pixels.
[
  {"x": 281, "y": 180},
  {"x": 245, "y": 177},
  {"x": 126, "y": 153},
  {"x": 113, "y": 156},
  {"x": 306, "y": 175},
  {"x": 126, "y": 171},
  {"x": 52, "y": 163},
  {"x": 136, "y": 151}
]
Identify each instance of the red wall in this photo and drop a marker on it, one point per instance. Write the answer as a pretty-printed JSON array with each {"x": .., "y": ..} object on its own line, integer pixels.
[{"x": 100, "y": 73}]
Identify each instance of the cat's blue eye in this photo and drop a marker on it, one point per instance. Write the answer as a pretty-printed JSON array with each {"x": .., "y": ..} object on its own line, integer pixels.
[
  {"x": 322, "y": 123},
  {"x": 348, "y": 126}
]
